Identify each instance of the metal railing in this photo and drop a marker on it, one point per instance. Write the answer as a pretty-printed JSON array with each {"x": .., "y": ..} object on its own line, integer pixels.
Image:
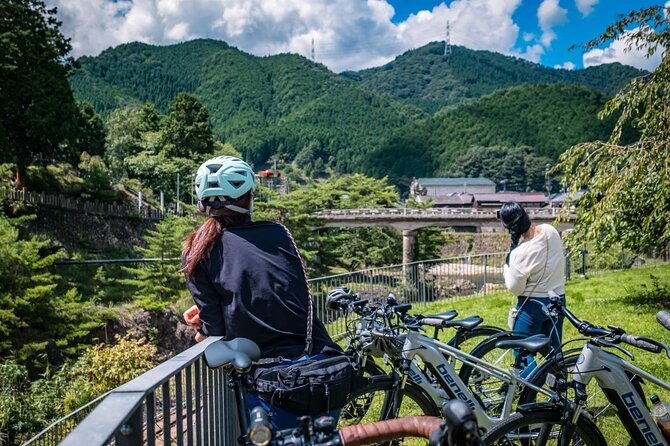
[
  {"x": 200, "y": 409},
  {"x": 180, "y": 401}
]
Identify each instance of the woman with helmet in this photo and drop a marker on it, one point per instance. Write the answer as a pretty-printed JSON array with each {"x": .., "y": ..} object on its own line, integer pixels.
[
  {"x": 247, "y": 278},
  {"x": 534, "y": 269}
]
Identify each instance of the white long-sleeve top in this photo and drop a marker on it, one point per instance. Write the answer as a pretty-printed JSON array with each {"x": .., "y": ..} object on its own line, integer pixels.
[{"x": 526, "y": 272}]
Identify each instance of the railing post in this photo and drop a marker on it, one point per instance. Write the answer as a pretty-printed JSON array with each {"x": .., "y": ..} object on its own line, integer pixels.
[
  {"x": 130, "y": 432},
  {"x": 486, "y": 262}
]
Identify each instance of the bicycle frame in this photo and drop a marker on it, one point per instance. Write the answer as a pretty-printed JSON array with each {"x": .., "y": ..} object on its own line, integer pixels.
[
  {"x": 610, "y": 374},
  {"x": 432, "y": 354}
]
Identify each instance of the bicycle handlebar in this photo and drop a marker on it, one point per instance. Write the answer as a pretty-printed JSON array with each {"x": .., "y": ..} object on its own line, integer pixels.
[
  {"x": 617, "y": 334},
  {"x": 640, "y": 342},
  {"x": 663, "y": 317},
  {"x": 361, "y": 434}
]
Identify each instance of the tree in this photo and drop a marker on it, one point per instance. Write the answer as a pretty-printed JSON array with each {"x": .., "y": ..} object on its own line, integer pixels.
[
  {"x": 628, "y": 184},
  {"x": 346, "y": 247},
  {"x": 27, "y": 292},
  {"x": 131, "y": 131},
  {"x": 186, "y": 130},
  {"x": 37, "y": 109},
  {"x": 158, "y": 284}
]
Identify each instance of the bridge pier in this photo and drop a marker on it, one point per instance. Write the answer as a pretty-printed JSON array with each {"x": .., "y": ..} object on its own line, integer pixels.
[{"x": 408, "y": 245}]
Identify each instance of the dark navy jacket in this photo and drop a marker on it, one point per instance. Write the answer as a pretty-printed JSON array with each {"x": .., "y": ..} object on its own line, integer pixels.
[{"x": 253, "y": 285}]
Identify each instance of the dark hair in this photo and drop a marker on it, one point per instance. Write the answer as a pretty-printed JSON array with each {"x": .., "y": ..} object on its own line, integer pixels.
[
  {"x": 199, "y": 244},
  {"x": 514, "y": 219}
]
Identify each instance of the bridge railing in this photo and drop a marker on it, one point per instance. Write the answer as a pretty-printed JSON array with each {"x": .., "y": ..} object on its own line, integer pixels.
[
  {"x": 181, "y": 401},
  {"x": 452, "y": 212}
]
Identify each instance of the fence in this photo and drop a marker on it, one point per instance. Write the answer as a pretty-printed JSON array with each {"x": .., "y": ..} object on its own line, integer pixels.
[
  {"x": 94, "y": 207},
  {"x": 199, "y": 408}
]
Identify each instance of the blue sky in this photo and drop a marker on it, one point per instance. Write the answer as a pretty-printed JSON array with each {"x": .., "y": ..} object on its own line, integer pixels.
[
  {"x": 356, "y": 34},
  {"x": 577, "y": 26}
]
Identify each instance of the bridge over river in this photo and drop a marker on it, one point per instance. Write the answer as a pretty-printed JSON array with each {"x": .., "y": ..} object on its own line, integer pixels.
[{"x": 409, "y": 221}]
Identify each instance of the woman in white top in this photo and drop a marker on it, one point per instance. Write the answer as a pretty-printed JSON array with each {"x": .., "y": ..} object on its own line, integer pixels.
[{"x": 535, "y": 266}]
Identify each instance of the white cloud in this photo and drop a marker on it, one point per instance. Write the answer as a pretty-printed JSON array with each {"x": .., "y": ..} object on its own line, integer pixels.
[
  {"x": 565, "y": 66},
  {"x": 348, "y": 34},
  {"x": 616, "y": 52},
  {"x": 549, "y": 15},
  {"x": 586, "y": 6},
  {"x": 527, "y": 37},
  {"x": 532, "y": 53}
]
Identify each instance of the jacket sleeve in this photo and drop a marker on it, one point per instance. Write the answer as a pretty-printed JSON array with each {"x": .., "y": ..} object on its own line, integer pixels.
[
  {"x": 515, "y": 281},
  {"x": 208, "y": 301}
]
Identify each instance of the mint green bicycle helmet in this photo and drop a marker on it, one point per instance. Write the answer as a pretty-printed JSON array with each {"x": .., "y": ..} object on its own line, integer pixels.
[{"x": 224, "y": 177}]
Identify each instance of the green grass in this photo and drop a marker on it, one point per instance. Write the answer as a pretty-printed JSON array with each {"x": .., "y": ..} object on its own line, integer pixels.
[{"x": 628, "y": 299}]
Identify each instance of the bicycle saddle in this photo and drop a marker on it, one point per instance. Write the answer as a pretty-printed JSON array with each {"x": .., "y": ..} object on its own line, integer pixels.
[
  {"x": 468, "y": 323},
  {"x": 438, "y": 320},
  {"x": 663, "y": 318},
  {"x": 531, "y": 344},
  {"x": 238, "y": 352}
]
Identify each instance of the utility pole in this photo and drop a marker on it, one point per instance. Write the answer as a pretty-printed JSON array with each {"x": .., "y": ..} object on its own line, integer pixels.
[
  {"x": 313, "y": 58},
  {"x": 447, "y": 42}
]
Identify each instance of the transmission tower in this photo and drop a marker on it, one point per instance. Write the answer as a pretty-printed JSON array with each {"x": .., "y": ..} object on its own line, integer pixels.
[
  {"x": 447, "y": 42},
  {"x": 313, "y": 59}
]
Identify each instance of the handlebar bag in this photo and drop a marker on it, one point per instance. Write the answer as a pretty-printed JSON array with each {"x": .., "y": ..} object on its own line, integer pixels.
[{"x": 310, "y": 387}]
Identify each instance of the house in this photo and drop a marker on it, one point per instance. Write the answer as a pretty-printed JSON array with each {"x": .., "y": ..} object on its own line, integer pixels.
[
  {"x": 435, "y": 187},
  {"x": 447, "y": 201},
  {"x": 557, "y": 200},
  {"x": 529, "y": 200}
]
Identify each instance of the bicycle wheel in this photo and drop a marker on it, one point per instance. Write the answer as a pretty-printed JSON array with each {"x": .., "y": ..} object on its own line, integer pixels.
[
  {"x": 466, "y": 340},
  {"x": 603, "y": 413},
  {"x": 488, "y": 389},
  {"x": 374, "y": 402},
  {"x": 541, "y": 425}
]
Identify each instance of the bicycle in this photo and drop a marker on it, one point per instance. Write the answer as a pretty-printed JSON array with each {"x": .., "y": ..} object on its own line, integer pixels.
[
  {"x": 365, "y": 343},
  {"x": 611, "y": 373},
  {"x": 426, "y": 367},
  {"x": 459, "y": 428}
]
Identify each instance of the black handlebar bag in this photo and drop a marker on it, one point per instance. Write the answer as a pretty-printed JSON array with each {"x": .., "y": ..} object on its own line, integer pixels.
[{"x": 310, "y": 387}]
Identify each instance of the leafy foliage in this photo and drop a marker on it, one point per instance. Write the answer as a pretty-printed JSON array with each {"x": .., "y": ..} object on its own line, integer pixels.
[
  {"x": 156, "y": 285},
  {"x": 277, "y": 104},
  {"x": 352, "y": 248},
  {"x": 549, "y": 118},
  {"x": 37, "y": 108},
  {"x": 26, "y": 408},
  {"x": 516, "y": 169},
  {"x": 628, "y": 184},
  {"x": 422, "y": 77}
]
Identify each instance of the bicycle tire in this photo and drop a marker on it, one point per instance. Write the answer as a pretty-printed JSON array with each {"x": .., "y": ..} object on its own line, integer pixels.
[
  {"x": 558, "y": 365},
  {"x": 490, "y": 391},
  {"x": 521, "y": 427},
  {"x": 366, "y": 403}
]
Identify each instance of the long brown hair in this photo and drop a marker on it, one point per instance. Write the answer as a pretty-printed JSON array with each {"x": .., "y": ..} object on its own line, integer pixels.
[{"x": 198, "y": 245}]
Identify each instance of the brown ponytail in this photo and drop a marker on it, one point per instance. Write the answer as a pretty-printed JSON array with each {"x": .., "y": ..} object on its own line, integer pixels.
[{"x": 198, "y": 245}]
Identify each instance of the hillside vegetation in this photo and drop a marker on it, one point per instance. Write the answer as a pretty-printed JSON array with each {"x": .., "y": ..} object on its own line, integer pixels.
[
  {"x": 423, "y": 77},
  {"x": 261, "y": 105},
  {"x": 547, "y": 118},
  {"x": 293, "y": 108}
]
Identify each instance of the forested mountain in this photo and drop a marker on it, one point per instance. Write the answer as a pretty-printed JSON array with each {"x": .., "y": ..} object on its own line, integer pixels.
[
  {"x": 423, "y": 77},
  {"x": 289, "y": 106},
  {"x": 547, "y": 118},
  {"x": 261, "y": 105}
]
